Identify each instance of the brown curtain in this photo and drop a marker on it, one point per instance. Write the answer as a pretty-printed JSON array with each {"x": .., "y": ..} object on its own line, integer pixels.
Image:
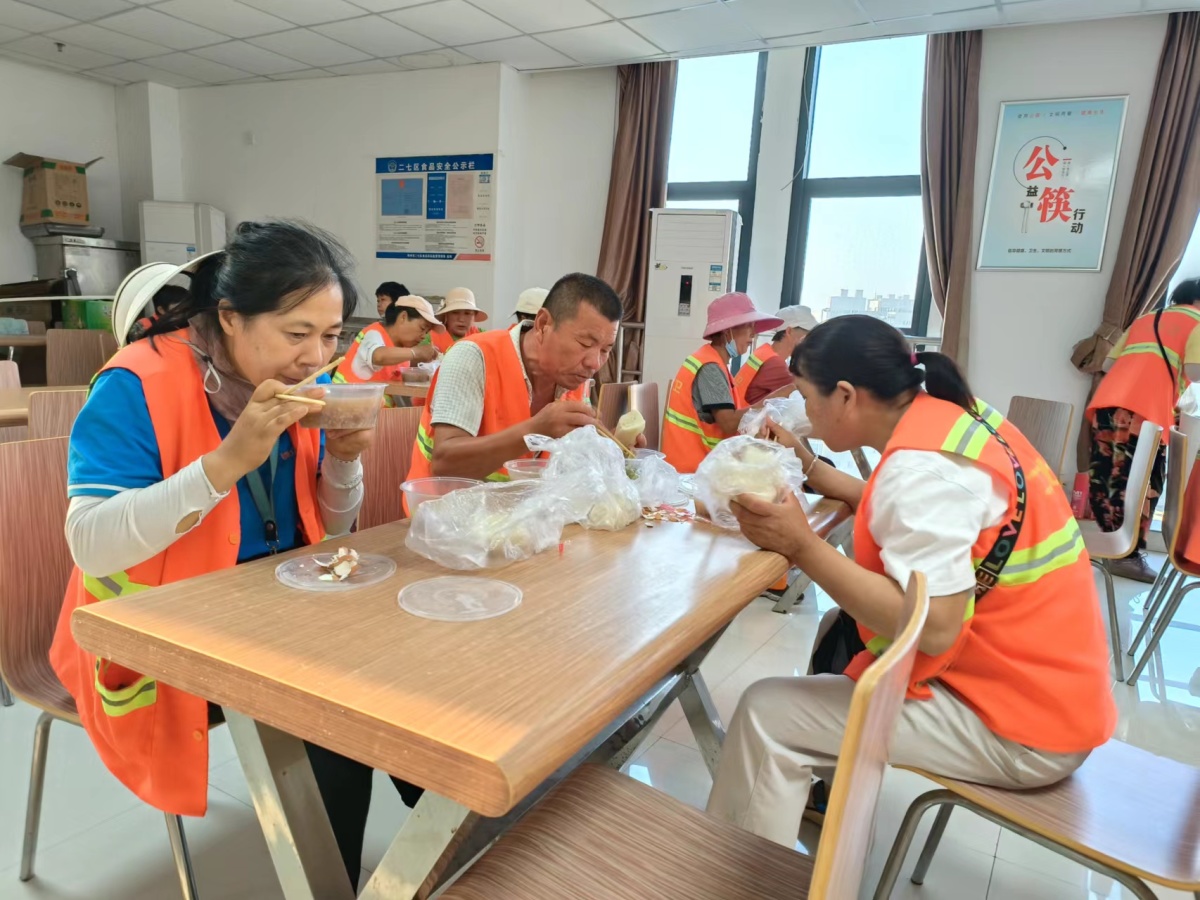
[
  {"x": 949, "y": 132},
  {"x": 1163, "y": 203},
  {"x": 638, "y": 183},
  {"x": 1165, "y": 197}
]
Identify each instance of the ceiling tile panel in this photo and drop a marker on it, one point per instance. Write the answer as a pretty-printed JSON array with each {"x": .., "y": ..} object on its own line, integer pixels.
[
  {"x": 303, "y": 75},
  {"x": 522, "y": 53},
  {"x": 775, "y": 18},
  {"x": 136, "y": 71},
  {"x": 92, "y": 37},
  {"x": 377, "y": 36},
  {"x": 599, "y": 44},
  {"x": 899, "y": 9},
  {"x": 225, "y": 16},
  {"x": 69, "y": 56},
  {"x": 249, "y": 58},
  {"x": 369, "y": 67},
  {"x": 83, "y": 10},
  {"x": 533, "y": 16},
  {"x": 197, "y": 67},
  {"x": 30, "y": 18},
  {"x": 159, "y": 28},
  {"x": 435, "y": 59},
  {"x": 691, "y": 29},
  {"x": 623, "y": 9},
  {"x": 453, "y": 23},
  {"x": 310, "y": 47},
  {"x": 307, "y": 12},
  {"x": 1064, "y": 10}
]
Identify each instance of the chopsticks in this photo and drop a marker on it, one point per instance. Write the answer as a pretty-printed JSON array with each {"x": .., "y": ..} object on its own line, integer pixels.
[
  {"x": 299, "y": 398},
  {"x": 629, "y": 454},
  {"x": 313, "y": 377}
]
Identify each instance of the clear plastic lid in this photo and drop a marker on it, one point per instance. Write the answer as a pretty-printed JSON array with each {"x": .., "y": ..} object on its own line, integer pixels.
[
  {"x": 456, "y": 598},
  {"x": 304, "y": 573}
]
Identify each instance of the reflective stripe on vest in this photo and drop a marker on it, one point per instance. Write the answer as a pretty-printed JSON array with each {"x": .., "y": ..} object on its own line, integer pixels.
[
  {"x": 122, "y": 701},
  {"x": 1172, "y": 359},
  {"x": 689, "y": 424},
  {"x": 1026, "y": 566}
]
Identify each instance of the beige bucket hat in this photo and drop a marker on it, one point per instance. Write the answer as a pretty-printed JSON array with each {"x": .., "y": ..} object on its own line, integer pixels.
[{"x": 458, "y": 299}]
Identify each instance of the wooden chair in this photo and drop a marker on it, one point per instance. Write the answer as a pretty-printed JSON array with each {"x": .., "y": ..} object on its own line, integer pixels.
[
  {"x": 601, "y": 836},
  {"x": 613, "y": 403},
  {"x": 73, "y": 356},
  {"x": 52, "y": 413},
  {"x": 1104, "y": 545},
  {"x": 37, "y": 565},
  {"x": 1124, "y": 813},
  {"x": 644, "y": 398},
  {"x": 1180, "y": 515},
  {"x": 386, "y": 464},
  {"x": 10, "y": 379},
  {"x": 1046, "y": 424}
]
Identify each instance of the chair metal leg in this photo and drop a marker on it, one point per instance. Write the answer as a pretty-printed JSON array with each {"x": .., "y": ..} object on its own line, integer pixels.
[
  {"x": 6, "y": 698},
  {"x": 1160, "y": 591},
  {"x": 931, "y": 844},
  {"x": 183, "y": 859},
  {"x": 37, "y": 780},
  {"x": 904, "y": 838},
  {"x": 1160, "y": 628},
  {"x": 1114, "y": 624}
]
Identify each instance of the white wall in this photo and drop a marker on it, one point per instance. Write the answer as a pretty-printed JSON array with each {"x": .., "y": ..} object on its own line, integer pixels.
[
  {"x": 64, "y": 117},
  {"x": 151, "y": 154},
  {"x": 315, "y": 144},
  {"x": 1024, "y": 324}
]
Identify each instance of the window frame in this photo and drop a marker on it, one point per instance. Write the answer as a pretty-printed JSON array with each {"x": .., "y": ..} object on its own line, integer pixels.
[
  {"x": 741, "y": 191},
  {"x": 805, "y": 190}
]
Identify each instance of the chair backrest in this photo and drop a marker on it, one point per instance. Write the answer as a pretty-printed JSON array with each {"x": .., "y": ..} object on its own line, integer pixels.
[
  {"x": 860, "y": 460},
  {"x": 1178, "y": 466},
  {"x": 613, "y": 403},
  {"x": 862, "y": 759},
  {"x": 10, "y": 375},
  {"x": 52, "y": 413},
  {"x": 33, "y": 556},
  {"x": 385, "y": 466},
  {"x": 644, "y": 398},
  {"x": 73, "y": 356},
  {"x": 1046, "y": 424}
]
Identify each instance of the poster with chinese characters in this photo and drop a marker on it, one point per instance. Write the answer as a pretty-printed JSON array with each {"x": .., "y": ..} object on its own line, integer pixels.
[
  {"x": 435, "y": 207},
  {"x": 1052, "y": 182}
]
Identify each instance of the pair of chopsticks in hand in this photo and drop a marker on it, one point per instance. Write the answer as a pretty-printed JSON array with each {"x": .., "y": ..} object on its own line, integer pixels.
[
  {"x": 629, "y": 454},
  {"x": 290, "y": 393}
]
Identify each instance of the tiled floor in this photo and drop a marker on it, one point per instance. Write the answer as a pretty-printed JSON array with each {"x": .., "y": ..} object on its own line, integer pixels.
[{"x": 98, "y": 842}]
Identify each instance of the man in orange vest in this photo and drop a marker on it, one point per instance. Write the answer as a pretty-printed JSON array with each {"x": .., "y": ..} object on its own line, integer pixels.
[
  {"x": 766, "y": 371},
  {"x": 496, "y": 387},
  {"x": 702, "y": 406},
  {"x": 1151, "y": 365},
  {"x": 458, "y": 314}
]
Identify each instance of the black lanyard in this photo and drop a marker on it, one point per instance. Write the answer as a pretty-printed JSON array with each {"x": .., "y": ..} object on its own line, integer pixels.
[
  {"x": 987, "y": 573},
  {"x": 264, "y": 500}
]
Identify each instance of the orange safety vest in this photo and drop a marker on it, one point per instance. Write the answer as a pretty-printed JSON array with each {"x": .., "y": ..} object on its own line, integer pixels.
[
  {"x": 1032, "y": 657},
  {"x": 444, "y": 340},
  {"x": 505, "y": 400},
  {"x": 747, "y": 373},
  {"x": 151, "y": 736},
  {"x": 1139, "y": 380},
  {"x": 345, "y": 374},
  {"x": 686, "y": 440}
]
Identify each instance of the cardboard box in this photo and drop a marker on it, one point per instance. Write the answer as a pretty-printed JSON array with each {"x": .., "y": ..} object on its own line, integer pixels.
[
  {"x": 93, "y": 315},
  {"x": 55, "y": 190}
]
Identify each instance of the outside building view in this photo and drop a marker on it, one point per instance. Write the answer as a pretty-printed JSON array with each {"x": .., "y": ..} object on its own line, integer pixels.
[{"x": 896, "y": 311}]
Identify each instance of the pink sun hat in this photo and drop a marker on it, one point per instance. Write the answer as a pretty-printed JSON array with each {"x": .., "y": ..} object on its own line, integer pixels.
[{"x": 736, "y": 309}]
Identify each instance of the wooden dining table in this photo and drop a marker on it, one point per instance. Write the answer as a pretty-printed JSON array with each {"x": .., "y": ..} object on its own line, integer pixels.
[
  {"x": 485, "y": 715},
  {"x": 14, "y": 402},
  {"x": 411, "y": 391}
]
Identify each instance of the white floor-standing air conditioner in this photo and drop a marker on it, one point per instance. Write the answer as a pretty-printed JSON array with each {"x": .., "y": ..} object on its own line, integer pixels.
[{"x": 693, "y": 261}]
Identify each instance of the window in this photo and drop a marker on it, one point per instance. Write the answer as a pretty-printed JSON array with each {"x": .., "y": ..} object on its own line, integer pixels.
[
  {"x": 855, "y": 237},
  {"x": 714, "y": 139}
]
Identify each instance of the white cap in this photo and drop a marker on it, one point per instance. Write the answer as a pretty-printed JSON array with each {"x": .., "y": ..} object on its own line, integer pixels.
[
  {"x": 530, "y": 301},
  {"x": 135, "y": 296},
  {"x": 797, "y": 317}
]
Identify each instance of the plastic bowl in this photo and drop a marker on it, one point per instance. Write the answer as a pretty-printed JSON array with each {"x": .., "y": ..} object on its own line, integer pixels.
[
  {"x": 348, "y": 407},
  {"x": 415, "y": 376},
  {"x": 419, "y": 490},
  {"x": 646, "y": 453},
  {"x": 526, "y": 469}
]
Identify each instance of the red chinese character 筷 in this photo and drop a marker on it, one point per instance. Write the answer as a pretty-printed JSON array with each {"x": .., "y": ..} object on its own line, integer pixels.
[
  {"x": 1040, "y": 163},
  {"x": 1055, "y": 204}
]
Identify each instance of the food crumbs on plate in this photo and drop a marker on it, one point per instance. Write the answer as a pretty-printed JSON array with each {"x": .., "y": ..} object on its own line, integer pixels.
[
  {"x": 340, "y": 566},
  {"x": 666, "y": 513}
]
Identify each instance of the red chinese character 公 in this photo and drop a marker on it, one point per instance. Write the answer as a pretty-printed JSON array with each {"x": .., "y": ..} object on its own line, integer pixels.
[
  {"x": 1055, "y": 204},
  {"x": 1040, "y": 163}
]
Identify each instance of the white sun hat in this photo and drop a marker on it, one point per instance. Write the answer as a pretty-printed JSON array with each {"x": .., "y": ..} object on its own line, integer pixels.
[
  {"x": 530, "y": 301},
  {"x": 135, "y": 297}
]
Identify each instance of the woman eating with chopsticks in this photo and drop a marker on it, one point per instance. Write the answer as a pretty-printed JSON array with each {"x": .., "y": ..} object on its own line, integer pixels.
[{"x": 188, "y": 458}]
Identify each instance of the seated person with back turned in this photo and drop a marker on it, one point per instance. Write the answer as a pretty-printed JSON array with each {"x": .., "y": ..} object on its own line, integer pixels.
[
  {"x": 766, "y": 371},
  {"x": 495, "y": 387},
  {"x": 529, "y": 301}
]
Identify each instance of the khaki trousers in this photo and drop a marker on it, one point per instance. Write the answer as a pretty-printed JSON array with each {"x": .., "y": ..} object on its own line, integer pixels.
[{"x": 787, "y": 729}]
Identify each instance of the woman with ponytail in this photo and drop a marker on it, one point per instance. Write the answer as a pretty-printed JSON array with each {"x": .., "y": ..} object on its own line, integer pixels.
[
  {"x": 1011, "y": 683},
  {"x": 184, "y": 461}
]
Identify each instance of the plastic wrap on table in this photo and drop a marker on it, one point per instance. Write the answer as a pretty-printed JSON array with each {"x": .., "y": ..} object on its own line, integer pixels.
[
  {"x": 587, "y": 473},
  {"x": 787, "y": 412},
  {"x": 656, "y": 480},
  {"x": 488, "y": 526},
  {"x": 746, "y": 465}
]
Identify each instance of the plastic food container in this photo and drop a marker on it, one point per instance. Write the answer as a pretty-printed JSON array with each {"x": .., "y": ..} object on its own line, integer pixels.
[
  {"x": 526, "y": 469},
  {"x": 646, "y": 453},
  {"x": 415, "y": 376},
  {"x": 419, "y": 490},
  {"x": 348, "y": 407}
]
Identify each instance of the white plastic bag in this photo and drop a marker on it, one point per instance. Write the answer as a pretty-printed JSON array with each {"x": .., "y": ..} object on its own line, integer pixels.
[
  {"x": 746, "y": 465},
  {"x": 487, "y": 526},
  {"x": 587, "y": 473},
  {"x": 787, "y": 412},
  {"x": 656, "y": 480},
  {"x": 1189, "y": 400}
]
